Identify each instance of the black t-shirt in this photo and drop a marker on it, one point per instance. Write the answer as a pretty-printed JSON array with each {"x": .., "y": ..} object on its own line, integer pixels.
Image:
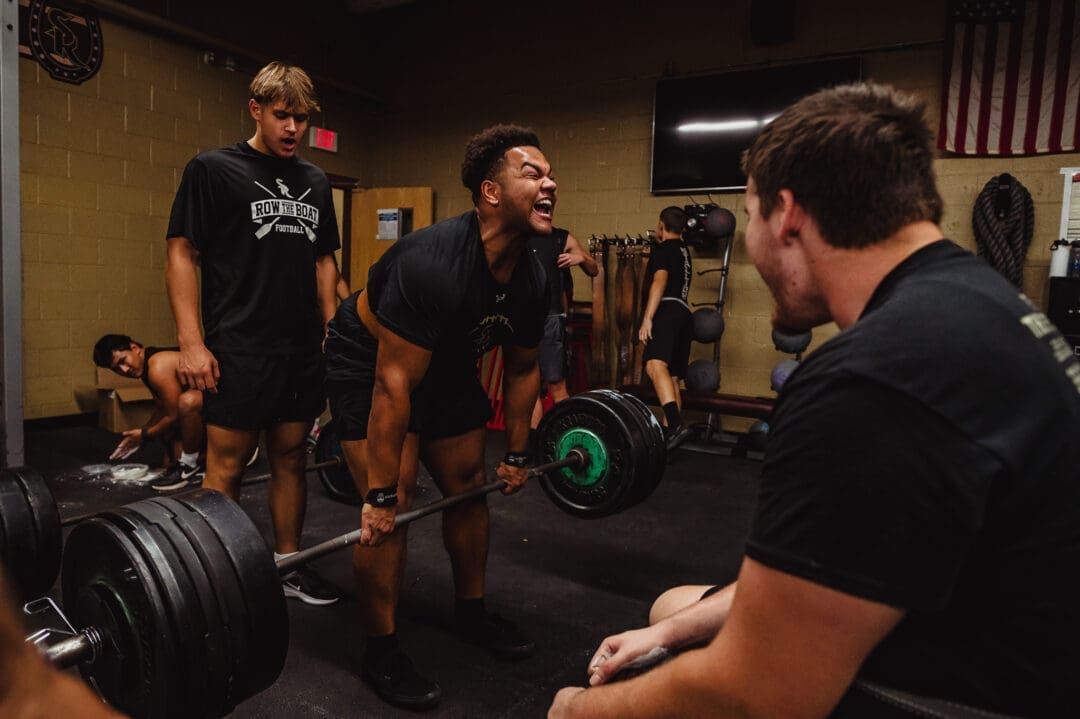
[
  {"x": 434, "y": 289},
  {"x": 927, "y": 458},
  {"x": 259, "y": 223},
  {"x": 673, "y": 256},
  {"x": 547, "y": 249}
]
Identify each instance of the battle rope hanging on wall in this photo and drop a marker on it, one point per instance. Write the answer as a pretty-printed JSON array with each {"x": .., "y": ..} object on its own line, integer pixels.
[{"x": 1003, "y": 219}]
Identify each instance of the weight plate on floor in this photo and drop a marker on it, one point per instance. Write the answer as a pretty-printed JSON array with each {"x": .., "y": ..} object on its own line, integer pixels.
[
  {"x": 30, "y": 537},
  {"x": 206, "y": 645},
  {"x": 337, "y": 480},
  {"x": 251, "y": 565},
  {"x": 107, "y": 583}
]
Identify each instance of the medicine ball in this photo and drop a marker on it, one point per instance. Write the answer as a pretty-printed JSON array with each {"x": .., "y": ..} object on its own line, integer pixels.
[
  {"x": 708, "y": 325},
  {"x": 720, "y": 222},
  {"x": 758, "y": 434},
  {"x": 792, "y": 344},
  {"x": 781, "y": 372},
  {"x": 703, "y": 376}
]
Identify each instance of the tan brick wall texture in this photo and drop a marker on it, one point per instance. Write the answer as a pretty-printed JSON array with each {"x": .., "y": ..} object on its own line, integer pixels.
[{"x": 100, "y": 162}]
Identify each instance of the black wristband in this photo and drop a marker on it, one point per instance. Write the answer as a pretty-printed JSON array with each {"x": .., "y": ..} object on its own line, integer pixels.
[
  {"x": 382, "y": 496},
  {"x": 142, "y": 434},
  {"x": 516, "y": 459}
]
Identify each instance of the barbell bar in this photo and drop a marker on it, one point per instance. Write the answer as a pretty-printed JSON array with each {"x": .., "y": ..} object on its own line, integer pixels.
[
  {"x": 184, "y": 618},
  {"x": 576, "y": 458},
  {"x": 89, "y": 643},
  {"x": 183, "y": 601}
]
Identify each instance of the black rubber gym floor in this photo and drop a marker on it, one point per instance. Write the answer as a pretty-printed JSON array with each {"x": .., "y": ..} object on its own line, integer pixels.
[{"x": 567, "y": 582}]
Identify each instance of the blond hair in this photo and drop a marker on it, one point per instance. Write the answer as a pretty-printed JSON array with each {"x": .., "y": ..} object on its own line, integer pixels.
[{"x": 287, "y": 83}]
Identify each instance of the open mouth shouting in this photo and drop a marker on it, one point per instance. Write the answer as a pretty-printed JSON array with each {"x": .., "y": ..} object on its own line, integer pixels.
[
  {"x": 545, "y": 208},
  {"x": 288, "y": 144}
]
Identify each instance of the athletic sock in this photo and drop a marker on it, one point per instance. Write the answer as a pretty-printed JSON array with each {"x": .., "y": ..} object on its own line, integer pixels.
[
  {"x": 674, "y": 419},
  {"x": 469, "y": 611},
  {"x": 379, "y": 647},
  {"x": 191, "y": 459}
]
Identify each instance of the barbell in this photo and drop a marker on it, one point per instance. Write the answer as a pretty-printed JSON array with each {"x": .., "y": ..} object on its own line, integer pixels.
[{"x": 180, "y": 600}]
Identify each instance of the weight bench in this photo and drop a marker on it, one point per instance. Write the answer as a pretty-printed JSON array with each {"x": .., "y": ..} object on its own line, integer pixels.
[{"x": 712, "y": 402}]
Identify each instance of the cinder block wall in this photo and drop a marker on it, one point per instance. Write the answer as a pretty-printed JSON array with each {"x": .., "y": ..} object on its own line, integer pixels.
[
  {"x": 100, "y": 165},
  {"x": 589, "y": 93}
]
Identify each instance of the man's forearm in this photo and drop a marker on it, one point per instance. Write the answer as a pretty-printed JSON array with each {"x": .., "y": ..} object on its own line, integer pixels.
[
  {"x": 520, "y": 390},
  {"x": 691, "y": 685},
  {"x": 182, "y": 286},
  {"x": 326, "y": 280},
  {"x": 387, "y": 427}
]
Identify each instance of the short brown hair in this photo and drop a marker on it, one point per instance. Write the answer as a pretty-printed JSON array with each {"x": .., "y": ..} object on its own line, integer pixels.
[
  {"x": 858, "y": 157},
  {"x": 674, "y": 219},
  {"x": 287, "y": 83},
  {"x": 485, "y": 152}
]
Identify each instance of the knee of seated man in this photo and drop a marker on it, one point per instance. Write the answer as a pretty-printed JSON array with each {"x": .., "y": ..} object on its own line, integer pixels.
[{"x": 190, "y": 402}]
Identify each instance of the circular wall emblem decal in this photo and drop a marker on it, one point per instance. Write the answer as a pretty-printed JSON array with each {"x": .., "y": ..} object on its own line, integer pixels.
[{"x": 65, "y": 40}]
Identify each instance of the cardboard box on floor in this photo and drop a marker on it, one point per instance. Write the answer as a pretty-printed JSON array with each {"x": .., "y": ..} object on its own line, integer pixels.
[{"x": 123, "y": 403}]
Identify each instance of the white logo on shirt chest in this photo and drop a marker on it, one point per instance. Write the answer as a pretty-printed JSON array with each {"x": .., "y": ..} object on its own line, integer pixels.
[{"x": 268, "y": 214}]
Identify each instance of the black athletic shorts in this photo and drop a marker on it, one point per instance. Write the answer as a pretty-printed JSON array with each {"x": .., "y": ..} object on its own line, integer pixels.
[
  {"x": 450, "y": 401},
  {"x": 258, "y": 391},
  {"x": 672, "y": 332},
  {"x": 553, "y": 350},
  {"x": 710, "y": 591}
]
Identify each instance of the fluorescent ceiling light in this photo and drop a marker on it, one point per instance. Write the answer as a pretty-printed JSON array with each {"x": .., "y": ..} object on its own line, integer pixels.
[{"x": 724, "y": 126}]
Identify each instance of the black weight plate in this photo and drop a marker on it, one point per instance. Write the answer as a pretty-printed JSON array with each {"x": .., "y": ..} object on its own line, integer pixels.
[
  {"x": 180, "y": 597},
  {"x": 588, "y": 413},
  {"x": 337, "y": 481},
  {"x": 650, "y": 450},
  {"x": 247, "y": 674},
  {"x": 30, "y": 536},
  {"x": 654, "y": 436},
  {"x": 107, "y": 583},
  {"x": 209, "y": 659},
  {"x": 255, "y": 572},
  {"x": 643, "y": 457},
  {"x": 229, "y": 644}
]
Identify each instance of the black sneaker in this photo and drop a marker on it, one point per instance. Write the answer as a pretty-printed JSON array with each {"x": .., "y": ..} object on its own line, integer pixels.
[
  {"x": 499, "y": 636},
  {"x": 676, "y": 436},
  {"x": 307, "y": 586},
  {"x": 177, "y": 476},
  {"x": 396, "y": 681}
]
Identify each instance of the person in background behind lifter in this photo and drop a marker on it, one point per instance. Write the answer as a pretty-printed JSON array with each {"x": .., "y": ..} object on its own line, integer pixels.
[
  {"x": 666, "y": 324},
  {"x": 557, "y": 252},
  {"x": 260, "y": 221}
]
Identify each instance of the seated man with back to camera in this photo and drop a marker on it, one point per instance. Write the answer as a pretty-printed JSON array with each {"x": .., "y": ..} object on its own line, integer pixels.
[{"x": 918, "y": 520}]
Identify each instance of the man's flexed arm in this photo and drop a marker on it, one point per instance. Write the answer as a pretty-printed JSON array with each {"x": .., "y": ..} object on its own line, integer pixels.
[
  {"x": 198, "y": 367},
  {"x": 521, "y": 386},
  {"x": 399, "y": 367}
]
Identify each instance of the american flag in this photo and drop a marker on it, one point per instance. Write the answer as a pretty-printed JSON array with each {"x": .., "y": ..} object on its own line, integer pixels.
[{"x": 1012, "y": 77}]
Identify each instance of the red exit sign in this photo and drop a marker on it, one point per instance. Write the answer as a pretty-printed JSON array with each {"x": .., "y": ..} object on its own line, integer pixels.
[{"x": 322, "y": 138}]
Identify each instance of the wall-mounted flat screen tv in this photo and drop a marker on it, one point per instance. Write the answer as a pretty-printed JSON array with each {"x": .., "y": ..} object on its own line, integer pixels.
[{"x": 702, "y": 123}]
